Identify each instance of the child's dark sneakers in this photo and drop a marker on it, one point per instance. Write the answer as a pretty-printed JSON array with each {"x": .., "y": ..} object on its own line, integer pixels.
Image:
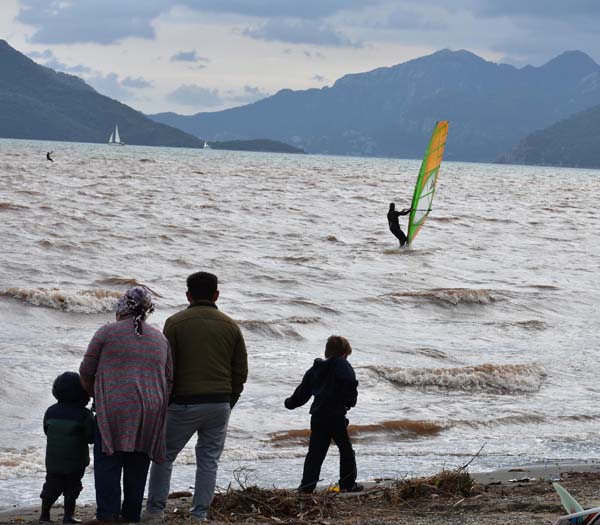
[{"x": 357, "y": 487}]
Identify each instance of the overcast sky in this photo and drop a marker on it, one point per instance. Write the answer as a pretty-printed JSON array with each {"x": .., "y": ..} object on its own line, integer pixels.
[{"x": 199, "y": 55}]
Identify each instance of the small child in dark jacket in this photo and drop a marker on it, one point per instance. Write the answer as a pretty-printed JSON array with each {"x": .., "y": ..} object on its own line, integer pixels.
[
  {"x": 333, "y": 383},
  {"x": 69, "y": 427}
]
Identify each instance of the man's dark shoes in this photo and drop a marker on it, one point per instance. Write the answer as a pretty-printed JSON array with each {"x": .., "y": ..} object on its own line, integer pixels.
[{"x": 357, "y": 487}]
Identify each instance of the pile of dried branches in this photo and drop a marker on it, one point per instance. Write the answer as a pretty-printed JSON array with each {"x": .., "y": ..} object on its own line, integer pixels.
[
  {"x": 276, "y": 504},
  {"x": 256, "y": 504},
  {"x": 445, "y": 484}
]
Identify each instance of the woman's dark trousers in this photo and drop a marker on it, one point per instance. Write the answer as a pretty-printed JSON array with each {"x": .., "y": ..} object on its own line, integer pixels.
[{"x": 133, "y": 466}]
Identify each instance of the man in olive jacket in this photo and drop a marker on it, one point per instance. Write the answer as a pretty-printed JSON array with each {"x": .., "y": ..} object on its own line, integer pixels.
[{"x": 210, "y": 368}]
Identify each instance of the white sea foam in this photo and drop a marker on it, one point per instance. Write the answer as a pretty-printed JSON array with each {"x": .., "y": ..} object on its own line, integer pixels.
[
  {"x": 21, "y": 463},
  {"x": 249, "y": 452},
  {"x": 522, "y": 378},
  {"x": 78, "y": 301},
  {"x": 452, "y": 296}
]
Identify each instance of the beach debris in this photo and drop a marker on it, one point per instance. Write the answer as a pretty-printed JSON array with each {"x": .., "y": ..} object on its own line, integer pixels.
[
  {"x": 447, "y": 483},
  {"x": 251, "y": 503}
]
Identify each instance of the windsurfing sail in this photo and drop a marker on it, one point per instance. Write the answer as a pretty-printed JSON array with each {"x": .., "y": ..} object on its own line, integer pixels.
[
  {"x": 569, "y": 502},
  {"x": 427, "y": 180},
  {"x": 577, "y": 514}
]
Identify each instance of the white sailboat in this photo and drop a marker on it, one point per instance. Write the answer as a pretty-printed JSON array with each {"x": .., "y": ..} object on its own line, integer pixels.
[
  {"x": 114, "y": 138},
  {"x": 206, "y": 146}
]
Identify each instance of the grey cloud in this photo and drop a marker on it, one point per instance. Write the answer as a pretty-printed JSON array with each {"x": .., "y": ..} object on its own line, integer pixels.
[
  {"x": 137, "y": 83},
  {"x": 313, "y": 54},
  {"x": 538, "y": 8},
  {"x": 319, "y": 78},
  {"x": 300, "y": 32},
  {"x": 408, "y": 19},
  {"x": 59, "y": 66},
  {"x": 48, "y": 59},
  {"x": 41, "y": 55},
  {"x": 188, "y": 56},
  {"x": 307, "y": 9},
  {"x": 110, "y": 86},
  {"x": 250, "y": 94},
  {"x": 196, "y": 96},
  {"x": 89, "y": 20},
  {"x": 509, "y": 27},
  {"x": 113, "y": 20}
]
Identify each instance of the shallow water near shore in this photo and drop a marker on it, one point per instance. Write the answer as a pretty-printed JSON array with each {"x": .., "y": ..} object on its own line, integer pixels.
[{"x": 485, "y": 330}]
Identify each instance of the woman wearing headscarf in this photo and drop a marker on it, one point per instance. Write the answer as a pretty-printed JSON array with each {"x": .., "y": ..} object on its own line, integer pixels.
[{"x": 128, "y": 370}]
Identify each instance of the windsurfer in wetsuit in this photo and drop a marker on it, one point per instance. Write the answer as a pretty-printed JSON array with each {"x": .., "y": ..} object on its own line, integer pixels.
[
  {"x": 392, "y": 218},
  {"x": 48, "y": 156}
]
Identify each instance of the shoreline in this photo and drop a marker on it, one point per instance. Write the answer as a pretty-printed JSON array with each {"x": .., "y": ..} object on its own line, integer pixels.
[{"x": 517, "y": 494}]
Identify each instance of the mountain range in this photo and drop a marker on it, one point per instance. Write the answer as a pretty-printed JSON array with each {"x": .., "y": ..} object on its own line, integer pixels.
[
  {"x": 532, "y": 115},
  {"x": 574, "y": 141},
  {"x": 390, "y": 111},
  {"x": 39, "y": 103}
]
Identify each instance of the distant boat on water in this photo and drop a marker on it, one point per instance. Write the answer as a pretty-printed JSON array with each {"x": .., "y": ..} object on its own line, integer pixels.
[
  {"x": 206, "y": 146},
  {"x": 115, "y": 138}
]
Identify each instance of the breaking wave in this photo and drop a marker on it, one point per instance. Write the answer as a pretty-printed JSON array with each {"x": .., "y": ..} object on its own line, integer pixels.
[
  {"x": 530, "y": 324},
  {"x": 452, "y": 296},
  {"x": 24, "y": 463},
  {"x": 78, "y": 301},
  {"x": 278, "y": 328},
  {"x": 126, "y": 282},
  {"x": 11, "y": 206},
  {"x": 404, "y": 427},
  {"x": 487, "y": 378},
  {"x": 309, "y": 304}
]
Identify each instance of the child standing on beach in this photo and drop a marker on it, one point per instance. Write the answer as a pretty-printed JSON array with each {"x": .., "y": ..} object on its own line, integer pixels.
[
  {"x": 69, "y": 427},
  {"x": 333, "y": 384}
]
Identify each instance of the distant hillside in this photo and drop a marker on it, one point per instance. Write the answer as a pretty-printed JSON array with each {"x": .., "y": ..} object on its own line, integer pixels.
[
  {"x": 263, "y": 145},
  {"x": 39, "y": 103},
  {"x": 391, "y": 111},
  {"x": 573, "y": 142}
]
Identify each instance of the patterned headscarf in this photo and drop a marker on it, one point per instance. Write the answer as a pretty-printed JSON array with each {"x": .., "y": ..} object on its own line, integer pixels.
[{"x": 137, "y": 302}]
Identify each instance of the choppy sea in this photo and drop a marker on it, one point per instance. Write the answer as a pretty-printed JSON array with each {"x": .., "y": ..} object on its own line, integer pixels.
[{"x": 485, "y": 330}]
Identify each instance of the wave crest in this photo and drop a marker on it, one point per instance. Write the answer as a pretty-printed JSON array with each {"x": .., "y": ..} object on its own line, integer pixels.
[
  {"x": 405, "y": 427},
  {"x": 486, "y": 378},
  {"x": 21, "y": 464},
  {"x": 278, "y": 328},
  {"x": 78, "y": 301},
  {"x": 452, "y": 296}
]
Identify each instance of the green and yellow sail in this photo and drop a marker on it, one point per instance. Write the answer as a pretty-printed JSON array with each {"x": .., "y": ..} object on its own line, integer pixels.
[{"x": 427, "y": 180}]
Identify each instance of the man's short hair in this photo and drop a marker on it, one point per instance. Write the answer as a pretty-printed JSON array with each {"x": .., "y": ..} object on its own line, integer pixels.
[
  {"x": 337, "y": 346},
  {"x": 202, "y": 286}
]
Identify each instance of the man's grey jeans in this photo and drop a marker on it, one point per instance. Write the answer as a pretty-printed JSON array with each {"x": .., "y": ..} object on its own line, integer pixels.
[{"x": 209, "y": 421}]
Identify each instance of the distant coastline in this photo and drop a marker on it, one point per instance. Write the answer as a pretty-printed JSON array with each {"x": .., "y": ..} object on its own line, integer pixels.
[{"x": 262, "y": 145}]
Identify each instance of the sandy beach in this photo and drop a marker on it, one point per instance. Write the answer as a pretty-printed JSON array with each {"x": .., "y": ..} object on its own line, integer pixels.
[{"x": 517, "y": 495}]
